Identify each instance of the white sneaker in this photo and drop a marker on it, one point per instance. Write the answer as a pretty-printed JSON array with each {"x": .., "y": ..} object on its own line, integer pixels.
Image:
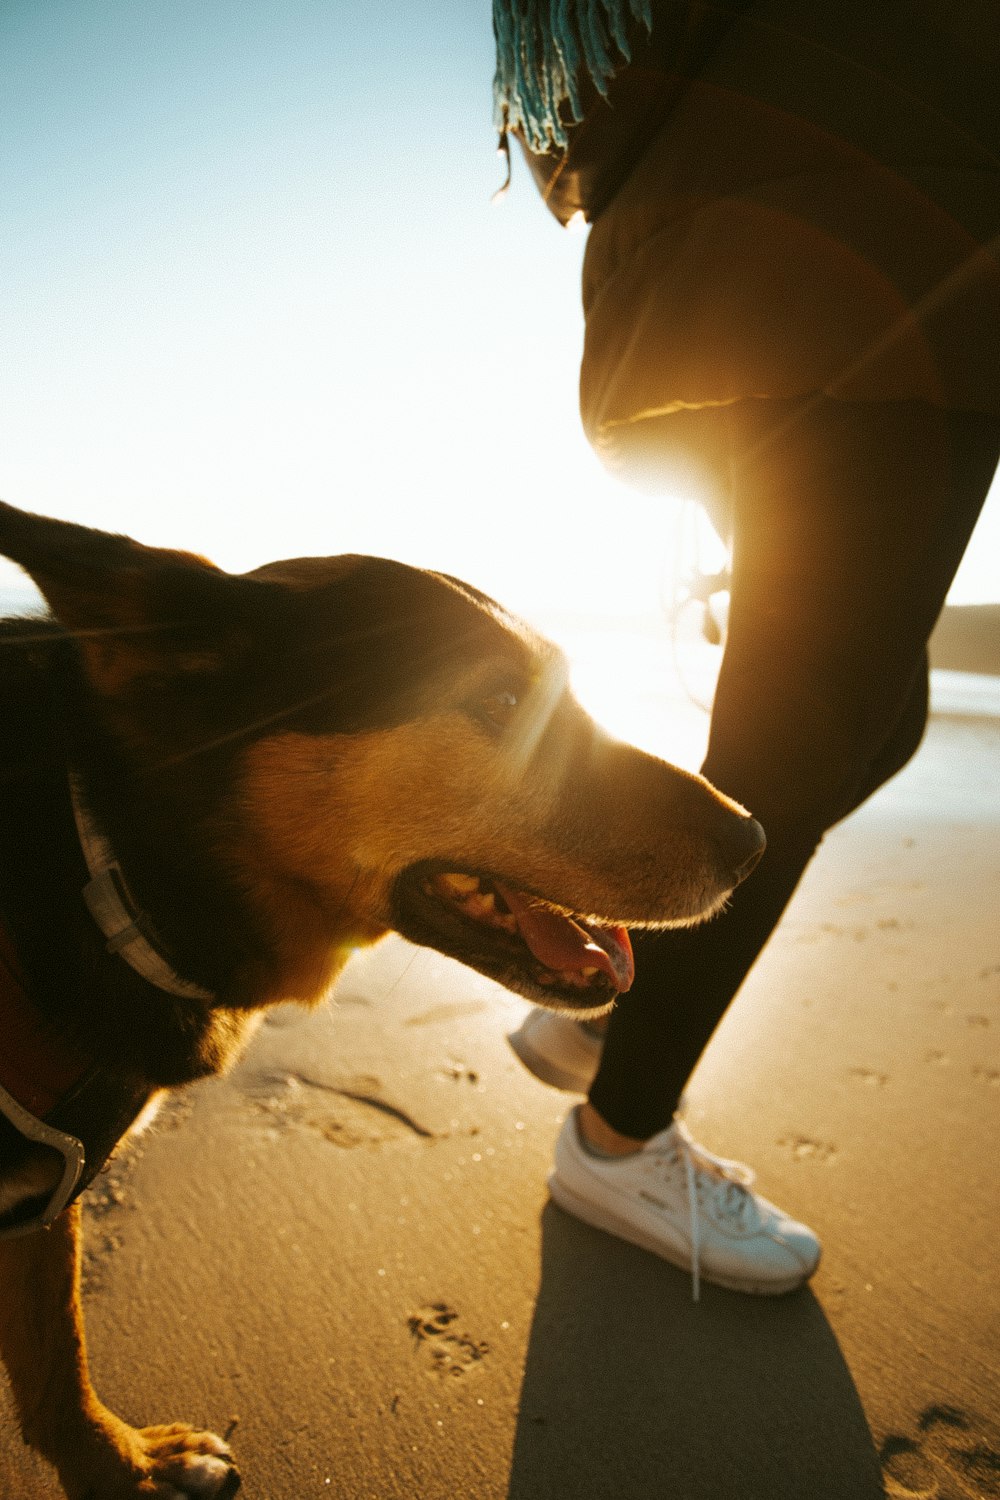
[
  {"x": 558, "y": 1050},
  {"x": 695, "y": 1209}
]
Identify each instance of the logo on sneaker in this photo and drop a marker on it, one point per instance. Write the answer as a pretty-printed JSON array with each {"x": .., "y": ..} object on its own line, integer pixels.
[{"x": 656, "y": 1202}]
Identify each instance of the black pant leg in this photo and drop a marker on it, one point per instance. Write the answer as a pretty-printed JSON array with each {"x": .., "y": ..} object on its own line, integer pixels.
[{"x": 848, "y": 525}]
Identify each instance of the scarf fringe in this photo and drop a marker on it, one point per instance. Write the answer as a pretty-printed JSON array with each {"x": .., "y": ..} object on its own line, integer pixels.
[{"x": 544, "y": 47}]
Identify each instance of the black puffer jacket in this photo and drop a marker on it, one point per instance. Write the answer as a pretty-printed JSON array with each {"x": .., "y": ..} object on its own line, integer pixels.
[{"x": 789, "y": 197}]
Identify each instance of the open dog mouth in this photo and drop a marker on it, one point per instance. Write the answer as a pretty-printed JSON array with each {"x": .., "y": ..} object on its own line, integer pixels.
[{"x": 532, "y": 946}]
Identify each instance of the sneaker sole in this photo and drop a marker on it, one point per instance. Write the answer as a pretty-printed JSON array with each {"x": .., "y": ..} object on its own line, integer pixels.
[
  {"x": 549, "y": 1072},
  {"x": 601, "y": 1218}
]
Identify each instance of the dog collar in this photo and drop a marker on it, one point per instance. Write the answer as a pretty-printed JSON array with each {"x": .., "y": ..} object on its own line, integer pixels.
[{"x": 127, "y": 929}]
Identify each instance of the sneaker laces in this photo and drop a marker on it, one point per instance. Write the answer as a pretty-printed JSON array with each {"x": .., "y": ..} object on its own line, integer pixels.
[{"x": 726, "y": 1183}]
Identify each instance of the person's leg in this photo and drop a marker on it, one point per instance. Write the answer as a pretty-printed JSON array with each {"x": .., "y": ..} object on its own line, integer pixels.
[
  {"x": 848, "y": 525},
  {"x": 685, "y": 980}
]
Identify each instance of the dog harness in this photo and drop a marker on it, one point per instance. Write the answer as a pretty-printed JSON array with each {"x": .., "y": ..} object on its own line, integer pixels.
[
  {"x": 51, "y": 1091},
  {"x": 37, "y": 1071}
]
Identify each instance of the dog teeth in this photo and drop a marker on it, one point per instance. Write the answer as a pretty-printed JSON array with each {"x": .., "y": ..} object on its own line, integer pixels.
[
  {"x": 572, "y": 979},
  {"x": 458, "y": 885},
  {"x": 482, "y": 907},
  {"x": 466, "y": 894}
]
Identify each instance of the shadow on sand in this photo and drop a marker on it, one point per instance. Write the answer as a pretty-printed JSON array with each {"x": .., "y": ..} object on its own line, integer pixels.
[
  {"x": 967, "y": 639},
  {"x": 631, "y": 1389}
]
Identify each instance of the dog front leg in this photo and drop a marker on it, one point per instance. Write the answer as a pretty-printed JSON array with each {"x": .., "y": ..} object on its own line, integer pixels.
[{"x": 97, "y": 1456}]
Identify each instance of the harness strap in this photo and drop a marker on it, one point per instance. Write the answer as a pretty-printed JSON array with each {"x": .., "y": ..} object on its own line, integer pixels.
[
  {"x": 37, "y": 1066},
  {"x": 51, "y": 1094},
  {"x": 50, "y": 1091}
]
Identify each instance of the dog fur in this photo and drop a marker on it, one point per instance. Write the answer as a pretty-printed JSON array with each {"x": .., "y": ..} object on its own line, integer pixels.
[{"x": 288, "y": 764}]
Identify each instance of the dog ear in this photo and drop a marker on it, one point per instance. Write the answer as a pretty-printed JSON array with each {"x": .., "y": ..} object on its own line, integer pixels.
[{"x": 134, "y": 611}]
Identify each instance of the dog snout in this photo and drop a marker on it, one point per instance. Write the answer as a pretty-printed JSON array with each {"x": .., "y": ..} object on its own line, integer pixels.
[{"x": 741, "y": 843}]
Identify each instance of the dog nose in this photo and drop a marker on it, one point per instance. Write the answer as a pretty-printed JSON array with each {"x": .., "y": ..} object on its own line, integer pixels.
[{"x": 742, "y": 845}]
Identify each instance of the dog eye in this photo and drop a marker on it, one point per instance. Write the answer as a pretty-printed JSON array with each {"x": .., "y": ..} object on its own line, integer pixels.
[{"x": 496, "y": 710}]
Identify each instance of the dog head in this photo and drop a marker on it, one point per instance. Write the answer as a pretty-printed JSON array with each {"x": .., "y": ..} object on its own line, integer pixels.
[{"x": 365, "y": 746}]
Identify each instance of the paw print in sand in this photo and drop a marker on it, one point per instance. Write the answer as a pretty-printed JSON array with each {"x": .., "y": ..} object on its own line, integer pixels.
[
  {"x": 955, "y": 1455},
  {"x": 452, "y": 1352}
]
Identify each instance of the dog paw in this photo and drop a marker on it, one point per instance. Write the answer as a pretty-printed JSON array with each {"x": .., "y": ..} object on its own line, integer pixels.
[
  {"x": 188, "y": 1465},
  {"x": 163, "y": 1463}
]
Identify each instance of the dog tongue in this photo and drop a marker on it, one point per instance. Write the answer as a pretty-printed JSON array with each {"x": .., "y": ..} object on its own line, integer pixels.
[{"x": 560, "y": 943}]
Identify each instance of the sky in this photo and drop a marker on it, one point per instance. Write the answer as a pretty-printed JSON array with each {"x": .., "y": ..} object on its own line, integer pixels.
[{"x": 256, "y": 301}]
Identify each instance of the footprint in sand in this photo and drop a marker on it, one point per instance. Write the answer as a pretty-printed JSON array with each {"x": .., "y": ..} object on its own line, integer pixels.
[
  {"x": 350, "y": 1113},
  {"x": 869, "y": 1076},
  {"x": 438, "y": 1015},
  {"x": 435, "y": 1328},
  {"x": 106, "y": 1199},
  {"x": 804, "y": 1148},
  {"x": 459, "y": 1072},
  {"x": 954, "y": 1455}
]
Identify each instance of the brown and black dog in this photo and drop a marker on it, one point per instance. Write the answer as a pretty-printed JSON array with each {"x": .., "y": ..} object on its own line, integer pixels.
[{"x": 212, "y": 788}]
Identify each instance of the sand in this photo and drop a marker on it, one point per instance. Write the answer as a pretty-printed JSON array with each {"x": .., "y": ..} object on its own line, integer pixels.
[{"x": 344, "y": 1253}]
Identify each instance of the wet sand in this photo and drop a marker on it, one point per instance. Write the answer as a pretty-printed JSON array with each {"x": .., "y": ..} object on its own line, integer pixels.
[{"x": 344, "y": 1252}]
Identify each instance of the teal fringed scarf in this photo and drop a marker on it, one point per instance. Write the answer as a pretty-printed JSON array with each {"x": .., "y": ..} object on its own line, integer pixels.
[{"x": 543, "y": 49}]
